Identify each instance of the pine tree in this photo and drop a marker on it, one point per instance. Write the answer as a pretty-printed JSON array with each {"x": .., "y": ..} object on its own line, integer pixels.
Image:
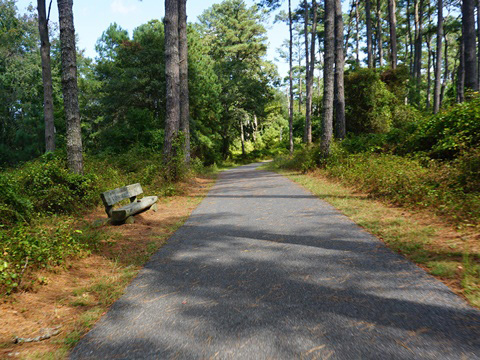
[
  {"x": 328, "y": 77},
  {"x": 183, "y": 73},
  {"x": 172, "y": 78},
  {"x": 46, "y": 75},
  {"x": 70, "y": 87}
]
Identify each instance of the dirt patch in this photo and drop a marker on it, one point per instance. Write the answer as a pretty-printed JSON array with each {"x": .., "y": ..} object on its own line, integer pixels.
[{"x": 75, "y": 295}]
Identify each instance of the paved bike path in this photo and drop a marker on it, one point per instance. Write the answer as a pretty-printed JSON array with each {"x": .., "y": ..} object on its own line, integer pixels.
[{"x": 265, "y": 270}]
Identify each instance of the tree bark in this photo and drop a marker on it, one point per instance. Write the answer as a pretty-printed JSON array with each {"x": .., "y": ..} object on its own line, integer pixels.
[
  {"x": 311, "y": 70},
  {"x": 339, "y": 96},
  {"x": 46, "y": 76},
  {"x": 290, "y": 117},
  {"x": 438, "y": 65},
  {"x": 328, "y": 76},
  {"x": 410, "y": 42},
  {"x": 379, "y": 33},
  {"x": 461, "y": 72},
  {"x": 393, "y": 33},
  {"x": 469, "y": 39},
  {"x": 417, "y": 62},
  {"x": 446, "y": 72},
  {"x": 242, "y": 137},
  {"x": 70, "y": 87},
  {"x": 183, "y": 71},
  {"x": 357, "y": 32},
  {"x": 368, "y": 12},
  {"x": 172, "y": 79},
  {"x": 478, "y": 42},
  {"x": 429, "y": 56},
  {"x": 307, "y": 75}
]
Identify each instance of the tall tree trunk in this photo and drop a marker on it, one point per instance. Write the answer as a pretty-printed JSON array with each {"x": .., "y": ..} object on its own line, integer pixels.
[
  {"x": 172, "y": 79},
  {"x": 469, "y": 39},
  {"x": 379, "y": 33},
  {"x": 417, "y": 62},
  {"x": 410, "y": 42},
  {"x": 46, "y": 75},
  {"x": 461, "y": 72},
  {"x": 368, "y": 12},
  {"x": 242, "y": 137},
  {"x": 357, "y": 32},
  {"x": 184, "y": 93},
  {"x": 255, "y": 128},
  {"x": 290, "y": 118},
  {"x": 70, "y": 86},
  {"x": 429, "y": 65},
  {"x": 339, "y": 58},
  {"x": 478, "y": 41},
  {"x": 307, "y": 74},
  {"x": 393, "y": 32},
  {"x": 328, "y": 77},
  {"x": 446, "y": 73},
  {"x": 311, "y": 71},
  {"x": 438, "y": 65}
]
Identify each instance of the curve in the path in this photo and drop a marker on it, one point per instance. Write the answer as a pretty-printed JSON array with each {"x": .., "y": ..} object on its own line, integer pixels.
[{"x": 264, "y": 270}]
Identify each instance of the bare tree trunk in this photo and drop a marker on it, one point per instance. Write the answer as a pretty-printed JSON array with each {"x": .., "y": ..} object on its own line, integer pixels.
[
  {"x": 339, "y": 96},
  {"x": 478, "y": 41},
  {"x": 311, "y": 70},
  {"x": 46, "y": 75},
  {"x": 469, "y": 39},
  {"x": 461, "y": 72},
  {"x": 183, "y": 73},
  {"x": 328, "y": 77},
  {"x": 417, "y": 62},
  {"x": 446, "y": 73},
  {"x": 429, "y": 56},
  {"x": 410, "y": 42},
  {"x": 70, "y": 87},
  {"x": 357, "y": 32},
  {"x": 393, "y": 32},
  {"x": 290, "y": 118},
  {"x": 242, "y": 137},
  {"x": 438, "y": 65},
  {"x": 379, "y": 33},
  {"x": 368, "y": 12},
  {"x": 307, "y": 75},
  {"x": 172, "y": 79}
]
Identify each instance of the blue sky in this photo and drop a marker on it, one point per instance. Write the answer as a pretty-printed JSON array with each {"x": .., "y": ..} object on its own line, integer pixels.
[{"x": 92, "y": 17}]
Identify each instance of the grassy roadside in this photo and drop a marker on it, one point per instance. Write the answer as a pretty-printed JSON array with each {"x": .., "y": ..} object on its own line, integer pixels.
[
  {"x": 448, "y": 254},
  {"x": 73, "y": 296}
]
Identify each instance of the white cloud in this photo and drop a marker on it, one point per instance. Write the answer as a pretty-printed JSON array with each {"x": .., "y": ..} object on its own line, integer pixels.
[{"x": 118, "y": 6}]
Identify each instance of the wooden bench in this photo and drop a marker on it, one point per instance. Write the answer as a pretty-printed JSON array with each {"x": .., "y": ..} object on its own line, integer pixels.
[{"x": 119, "y": 215}]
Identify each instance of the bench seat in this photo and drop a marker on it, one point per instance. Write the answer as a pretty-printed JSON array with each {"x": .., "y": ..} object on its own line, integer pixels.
[{"x": 120, "y": 214}]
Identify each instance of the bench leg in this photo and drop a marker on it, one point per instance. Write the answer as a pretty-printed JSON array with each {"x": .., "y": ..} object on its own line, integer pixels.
[{"x": 154, "y": 207}]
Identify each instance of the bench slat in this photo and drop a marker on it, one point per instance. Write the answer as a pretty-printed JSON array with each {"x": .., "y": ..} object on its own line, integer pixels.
[
  {"x": 122, "y": 213},
  {"x": 111, "y": 197}
]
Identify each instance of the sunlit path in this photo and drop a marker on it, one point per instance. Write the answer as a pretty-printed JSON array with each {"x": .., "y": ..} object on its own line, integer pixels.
[{"x": 264, "y": 270}]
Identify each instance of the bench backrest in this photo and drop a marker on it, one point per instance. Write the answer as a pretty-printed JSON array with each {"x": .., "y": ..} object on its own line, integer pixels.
[{"x": 111, "y": 197}]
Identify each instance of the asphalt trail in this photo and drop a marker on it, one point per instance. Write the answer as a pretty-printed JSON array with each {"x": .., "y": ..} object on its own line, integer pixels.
[{"x": 264, "y": 270}]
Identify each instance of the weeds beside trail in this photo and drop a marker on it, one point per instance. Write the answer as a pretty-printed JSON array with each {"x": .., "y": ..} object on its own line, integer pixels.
[
  {"x": 451, "y": 255},
  {"x": 77, "y": 292}
]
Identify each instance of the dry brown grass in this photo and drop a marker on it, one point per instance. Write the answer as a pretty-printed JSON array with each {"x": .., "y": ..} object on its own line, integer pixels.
[{"x": 76, "y": 295}]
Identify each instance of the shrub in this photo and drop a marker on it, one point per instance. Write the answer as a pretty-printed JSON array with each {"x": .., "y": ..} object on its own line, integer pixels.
[
  {"x": 368, "y": 103},
  {"x": 52, "y": 188},
  {"x": 450, "y": 132}
]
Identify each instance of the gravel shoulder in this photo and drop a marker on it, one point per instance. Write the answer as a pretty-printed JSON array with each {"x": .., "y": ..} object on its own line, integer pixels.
[{"x": 265, "y": 270}]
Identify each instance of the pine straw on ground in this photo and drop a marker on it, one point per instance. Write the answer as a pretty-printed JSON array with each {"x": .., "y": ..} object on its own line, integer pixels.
[{"x": 75, "y": 295}]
